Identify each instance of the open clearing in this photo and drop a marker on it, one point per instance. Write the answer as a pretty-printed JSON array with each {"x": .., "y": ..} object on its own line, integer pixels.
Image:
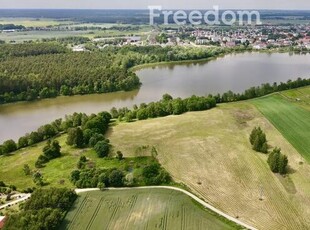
[
  {"x": 210, "y": 152},
  {"x": 139, "y": 209},
  {"x": 291, "y": 120}
]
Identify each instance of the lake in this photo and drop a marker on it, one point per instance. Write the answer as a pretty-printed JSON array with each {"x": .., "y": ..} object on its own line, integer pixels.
[{"x": 236, "y": 72}]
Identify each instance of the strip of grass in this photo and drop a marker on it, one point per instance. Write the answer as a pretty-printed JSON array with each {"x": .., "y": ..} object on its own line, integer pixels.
[
  {"x": 300, "y": 96},
  {"x": 291, "y": 120}
]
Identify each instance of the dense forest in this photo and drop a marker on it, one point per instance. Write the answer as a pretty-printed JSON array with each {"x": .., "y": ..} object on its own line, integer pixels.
[
  {"x": 34, "y": 71},
  {"x": 8, "y": 51}
]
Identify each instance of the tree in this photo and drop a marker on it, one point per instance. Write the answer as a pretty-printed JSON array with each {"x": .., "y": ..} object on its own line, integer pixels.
[
  {"x": 167, "y": 97},
  {"x": 142, "y": 114},
  {"x": 96, "y": 137},
  {"x": 38, "y": 178},
  {"x": 75, "y": 176},
  {"x": 41, "y": 161},
  {"x": 116, "y": 178},
  {"x": 22, "y": 142},
  {"x": 81, "y": 163},
  {"x": 283, "y": 161},
  {"x": 258, "y": 140},
  {"x": 34, "y": 138},
  {"x": 114, "y": 113},
  {"x": 277, "y": 161},
  {"x": 102, "y": 149},
  {"x": 119, "y": 155},
  {"x": 75, "y": 137},
  {"x": 52, "y": 150},
  {"x": 129, "y": 116},
  {"x": 26, "y": 169},
  {"x": 47, "y": 131},
  {"x": 253, "y": 135},
  {"x": 101, "y": 186},
  {"x": 87, "y": 134},
  {"x": 9, "y": 146}
]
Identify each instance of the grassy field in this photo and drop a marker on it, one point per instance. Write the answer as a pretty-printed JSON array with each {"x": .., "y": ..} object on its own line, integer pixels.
[
  {"x": 140, "y": 209},
  {"x": 290, "y": 119},
  {"x": 300, "y": 97},
  {"x": 210, "y": 152},
  {"x": 11, "y": 167}
]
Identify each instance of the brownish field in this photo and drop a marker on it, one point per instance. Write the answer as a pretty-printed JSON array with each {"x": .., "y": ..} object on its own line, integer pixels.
[{"x": 210, "y": 152}]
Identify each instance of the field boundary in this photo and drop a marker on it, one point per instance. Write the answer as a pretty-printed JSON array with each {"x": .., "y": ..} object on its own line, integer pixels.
[{"x": 197, "y": 199}]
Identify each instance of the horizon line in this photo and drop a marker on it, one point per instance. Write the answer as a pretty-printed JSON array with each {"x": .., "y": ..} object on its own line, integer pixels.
[{"x": 145, "y": 9}]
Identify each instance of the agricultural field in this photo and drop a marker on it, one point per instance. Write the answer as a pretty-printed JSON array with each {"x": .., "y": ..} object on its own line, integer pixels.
[
  {"x": 292, "y": 120},
  {"x": 140, "y": 209},
  {"x": 34, "y": 35},
  {"x": 210, "y": 152},
  {"x": 32, "y": 22},
  {"x": 37, "y": 35}
]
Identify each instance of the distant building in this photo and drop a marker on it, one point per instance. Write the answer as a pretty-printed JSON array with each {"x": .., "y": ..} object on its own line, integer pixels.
[
  {"x": 230, "y": 44},
  {"x": 78, "y": 48},
  {"x": 260, "y": 46},
  {"x": 133, "y": 39},
  {"x": 8, "y": 31},
  {"x": 202, "y": 41}
]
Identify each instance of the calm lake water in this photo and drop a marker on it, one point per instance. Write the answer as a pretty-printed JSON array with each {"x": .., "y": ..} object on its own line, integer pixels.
[{"x": 236, "y": 72}]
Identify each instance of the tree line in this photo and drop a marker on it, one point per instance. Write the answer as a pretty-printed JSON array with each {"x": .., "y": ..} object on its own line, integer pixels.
[
  {"x": 94, "y": 126},
  {"x": 167, "y": 106},
  {"x": 45, "y": 210},
  {"x": 262, "y": 90},
  {"x": 11, "y": 27}
]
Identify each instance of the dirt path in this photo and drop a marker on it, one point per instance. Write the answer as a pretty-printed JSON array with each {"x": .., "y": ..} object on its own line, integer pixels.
[
  {"x": 23, "y": 198},
  {"x": 205, "y": 204}
]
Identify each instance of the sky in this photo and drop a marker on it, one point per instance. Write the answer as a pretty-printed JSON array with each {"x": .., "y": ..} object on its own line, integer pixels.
[{"x": 167, "y": 4}]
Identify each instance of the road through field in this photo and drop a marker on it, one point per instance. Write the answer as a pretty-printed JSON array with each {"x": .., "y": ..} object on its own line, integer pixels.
[{"x": 205, "y": 204}]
